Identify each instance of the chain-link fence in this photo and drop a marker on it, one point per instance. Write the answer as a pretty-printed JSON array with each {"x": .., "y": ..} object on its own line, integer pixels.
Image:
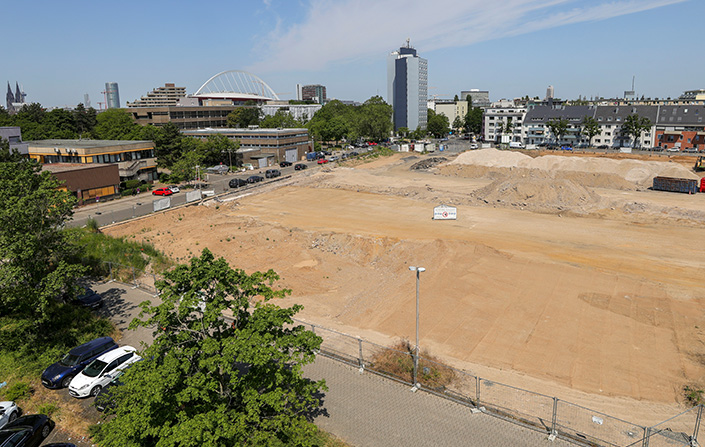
[
  {"x": 549, "y": 414},
  {"x": 114, "y": 271}
]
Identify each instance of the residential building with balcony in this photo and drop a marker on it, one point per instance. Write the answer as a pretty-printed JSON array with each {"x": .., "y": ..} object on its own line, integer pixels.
[
  {"x": 681, "y": 127},
  {"x": 496, "y": 120},
  {"x": 611, "y": 120},
  {"x": 169, "y": 95}
]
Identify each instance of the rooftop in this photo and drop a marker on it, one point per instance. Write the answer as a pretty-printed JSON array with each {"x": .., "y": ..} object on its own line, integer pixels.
[{"x": 85, "y": 144}]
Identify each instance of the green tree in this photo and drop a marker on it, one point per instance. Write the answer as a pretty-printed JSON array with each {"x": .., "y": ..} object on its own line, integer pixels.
[
  {"x": 85, "y": 119},
  {"x": 473, "y": 120},
  {"x": 437, "y": 125},
  {"x": 558, "y": 127},
  {"x": 458, "y": 123},
  {"x": 403, "y": 132},
  {"x": 590, "y": 128},
  {"x": 60, "y": 124},
  {"x": 116, "y": 124},
  {"x": 216, "y": 149},
  {"x": 184, "y": 168},
  {"x": 634, "y": 125},
  {"x": 374, "y": 119},
  {"x": 280, "y": 119},
  {"x": 207, "y": 380},
  {"x": 242, "y": 117},
  {"x": 456, "y": 99},
  {"x": 36, "y": 254}
]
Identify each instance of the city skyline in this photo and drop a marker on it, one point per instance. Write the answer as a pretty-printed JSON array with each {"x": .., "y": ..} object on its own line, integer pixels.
[{"x": 511, "y": 48}]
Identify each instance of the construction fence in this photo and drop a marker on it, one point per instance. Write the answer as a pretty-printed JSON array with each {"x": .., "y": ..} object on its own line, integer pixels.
[
  {"x": 555, "y": 417},
  {"x": 537, "y": 411}
]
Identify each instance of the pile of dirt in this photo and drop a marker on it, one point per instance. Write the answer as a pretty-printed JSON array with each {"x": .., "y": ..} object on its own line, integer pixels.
[
  {"x": 604, "y": 172},
  {"x": 427, "y": 163},
  {"x": 539, "y": 194}
]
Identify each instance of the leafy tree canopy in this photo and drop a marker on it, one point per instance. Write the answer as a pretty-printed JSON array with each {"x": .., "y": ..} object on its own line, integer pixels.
[
  {"x": 211, "y": 381},
  {"x": 242, "y": 117},
  {"x": 35, "y": 253},
  {"x": 634, "y": 125},
  {"x": 116, "y": 124},
  {"x": 558, "y": 127}
]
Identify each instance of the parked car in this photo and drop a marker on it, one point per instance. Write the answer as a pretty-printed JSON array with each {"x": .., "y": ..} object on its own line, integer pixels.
[
  {"x": 322, "y": 161},
  {"x": 162, "y": 192},
  {"x": 89, "y": 298},
  {"x": 354, "y": 154},
  {"x": 60, "y": 374},
  {"x": 334, "y": 158},
  {"x": 174, "y": 188},
  {"x": 300, "y": 166},
  {"x": 9, "y": 411},
  {"x": 219, "y": 169},
  {"x": 272, "y": 173},
  {"x": 26, "y": 431},
  {"x": 237, "y": 182},
  {"x": 673, "y": 149},
  {"x": 101, "y": 371},
  {"x": 104, "y": 399},
  {"x": 284, "y": 164},
  {"x": 254, "y": 178}
]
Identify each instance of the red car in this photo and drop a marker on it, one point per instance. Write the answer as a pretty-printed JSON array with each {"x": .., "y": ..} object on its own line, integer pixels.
[
  {"x": 322, "y": 161},
  {"x": 162, "y": 192}
]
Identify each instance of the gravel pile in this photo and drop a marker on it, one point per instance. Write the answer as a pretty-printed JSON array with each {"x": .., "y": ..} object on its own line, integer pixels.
[{"x": 427, "y": 163}]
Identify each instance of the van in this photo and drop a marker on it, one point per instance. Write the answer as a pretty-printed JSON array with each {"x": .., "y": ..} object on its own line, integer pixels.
[
  {"x": 516, "y": 145},
  {"x": 60, "y": 374}
]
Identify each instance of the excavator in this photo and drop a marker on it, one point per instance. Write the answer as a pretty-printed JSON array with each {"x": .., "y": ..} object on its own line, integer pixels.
[{"x": 700, "y": 164}]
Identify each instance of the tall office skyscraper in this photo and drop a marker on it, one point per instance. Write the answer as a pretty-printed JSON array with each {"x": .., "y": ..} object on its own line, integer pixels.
[
  {"x": 112, "y": 95},
  {"x": 407, "y": 88}
]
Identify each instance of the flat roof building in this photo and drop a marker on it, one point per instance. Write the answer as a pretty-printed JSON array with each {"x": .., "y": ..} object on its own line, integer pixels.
[
  {"x": 407, "y": 88},
  {"x": 263, "y": 147},
  {"x": 168, "y": 95},
  {"x": 136, "y": 160}
]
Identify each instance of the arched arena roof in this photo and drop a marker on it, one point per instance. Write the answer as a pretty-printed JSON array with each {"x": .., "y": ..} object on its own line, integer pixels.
[{"x": 236, "y": 85}]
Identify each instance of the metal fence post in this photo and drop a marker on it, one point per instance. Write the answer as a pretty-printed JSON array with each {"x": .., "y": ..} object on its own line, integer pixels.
[
  {"x": 477, "y": 391},
  {"x": 647, "y": 433},
  {"x": 360, "y": 361},
  {"x": 696, "y": 429},
  {"x": 134, "y": 279},
  {"x": 554, "y": 417}
]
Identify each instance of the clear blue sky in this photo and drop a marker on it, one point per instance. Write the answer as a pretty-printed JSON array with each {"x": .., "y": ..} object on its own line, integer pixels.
[{"x": 59, "y": 50}]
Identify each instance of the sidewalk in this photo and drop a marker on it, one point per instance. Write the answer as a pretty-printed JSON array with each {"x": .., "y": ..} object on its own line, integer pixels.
[{"x": 369, "y": 410}]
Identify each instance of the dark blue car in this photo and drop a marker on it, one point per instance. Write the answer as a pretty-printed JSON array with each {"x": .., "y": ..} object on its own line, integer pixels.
[{"x": 59, "y": 374}]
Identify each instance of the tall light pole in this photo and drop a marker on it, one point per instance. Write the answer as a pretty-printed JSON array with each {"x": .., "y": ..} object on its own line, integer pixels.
[{"x": 418, "y": 271}]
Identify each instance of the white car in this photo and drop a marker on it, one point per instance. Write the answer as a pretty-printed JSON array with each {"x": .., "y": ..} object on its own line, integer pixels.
[
  {"x": 100, "y": 371},
  {"x": 174, "y": 188},
  {"x": 8, "y": 412}
]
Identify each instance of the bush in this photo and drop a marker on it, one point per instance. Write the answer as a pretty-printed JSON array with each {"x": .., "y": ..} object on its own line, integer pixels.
[
  {"x": 399, "y": 362},
  {"x": 92, "y": 225},
  {"x": 132, "y": 184},
  {"x": 18, "y": 391},
  {"x": 49, "y": 409},
  {"x": 127, "y": 192},
  {"x": 694, "y": 396}
]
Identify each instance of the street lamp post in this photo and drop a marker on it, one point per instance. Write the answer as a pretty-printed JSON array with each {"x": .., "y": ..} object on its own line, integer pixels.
[{"x": 418, "y": 271}]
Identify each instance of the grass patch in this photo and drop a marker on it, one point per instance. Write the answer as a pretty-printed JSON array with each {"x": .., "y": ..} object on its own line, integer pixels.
[
  {"x": 398, "y": 361},
  {"x": 97, "y": 249}
]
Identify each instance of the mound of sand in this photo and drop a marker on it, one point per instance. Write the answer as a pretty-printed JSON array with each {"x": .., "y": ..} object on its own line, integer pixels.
[
  {"x": 540, "y": 194},
  {"x": 638, "y": 172}
]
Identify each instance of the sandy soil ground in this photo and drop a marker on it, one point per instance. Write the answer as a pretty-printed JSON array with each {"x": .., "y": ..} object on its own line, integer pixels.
[{"x": 599, "y": 300}]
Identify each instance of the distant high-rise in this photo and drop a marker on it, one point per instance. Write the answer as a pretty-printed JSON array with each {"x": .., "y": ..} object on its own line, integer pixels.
[
  {"x": 112, "y": 95},
  {"x": 407, "y": 88},
  {"x": 86, "y": 101},
  {"x": 549, "y": 92},
  {"x": 315, "y": 93}
]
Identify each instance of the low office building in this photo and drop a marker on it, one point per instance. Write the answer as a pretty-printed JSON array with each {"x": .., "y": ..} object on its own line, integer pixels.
[
  {"x": 263, "y": 147},
  {"x": 185, "y": 117},
  {"x": 88, "y": 183},
  {"x": 136, "y": 160}
]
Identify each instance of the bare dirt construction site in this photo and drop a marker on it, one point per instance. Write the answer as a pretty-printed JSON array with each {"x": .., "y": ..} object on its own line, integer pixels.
[{"x": 563, "y": 274}]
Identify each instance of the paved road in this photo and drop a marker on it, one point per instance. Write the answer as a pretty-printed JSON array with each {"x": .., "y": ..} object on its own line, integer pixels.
[{"x": 362, "y": 409}]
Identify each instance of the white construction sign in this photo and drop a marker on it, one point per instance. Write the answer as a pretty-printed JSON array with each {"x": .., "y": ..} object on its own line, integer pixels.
[{"x": 444, "y": 212}]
